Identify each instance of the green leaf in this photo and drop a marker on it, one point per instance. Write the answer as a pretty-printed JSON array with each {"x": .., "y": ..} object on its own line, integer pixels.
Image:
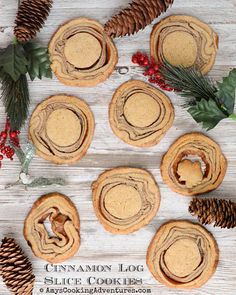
[
  {"x": 207, "y": 112},
  {"x": 39, "y": 62},
  {"x": 13, "y": 61},
  {"x": 226, "y": 91}
]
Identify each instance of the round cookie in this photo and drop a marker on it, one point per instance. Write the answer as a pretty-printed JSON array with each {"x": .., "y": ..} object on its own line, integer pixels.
[
  {"x": 193, "y": 165},
  {"x": 65, "y": 224},
  {"x": 125, "y": 199},
  {"x": 140, "y": 114},
  {"x": 81, "y": 53},
  {"x": 186, "y": 41},
  {"x": 182, "y": 255},
  {"x": 61, "y": 128}
]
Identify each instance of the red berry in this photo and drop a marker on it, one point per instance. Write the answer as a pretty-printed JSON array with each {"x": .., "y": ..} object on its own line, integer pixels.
[
  {"x": 3, "y": 134},
  {"x": 3, "y": 151},
  {"x": 1, "y": 157},
  {"x": 156, "y": 67},
  {"x": 158, "y": 76},
  {"x": 13, "y": 134},
  {"x": 151, "y": 71},
  {"x": 134, "y": 60}
]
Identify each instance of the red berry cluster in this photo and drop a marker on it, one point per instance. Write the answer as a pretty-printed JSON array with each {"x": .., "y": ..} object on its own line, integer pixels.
[
  {"x": 152, "y": 70},
  {"x": 8, "y": 137}
]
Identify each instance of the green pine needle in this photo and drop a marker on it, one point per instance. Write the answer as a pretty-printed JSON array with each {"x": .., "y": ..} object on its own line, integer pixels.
[
  {"x": 15, "y": 96},
  {"x": 189, "y": 82},
  {"x": 206, "y": 103}
]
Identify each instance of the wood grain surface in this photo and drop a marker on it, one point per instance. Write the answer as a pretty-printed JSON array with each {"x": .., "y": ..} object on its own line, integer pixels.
[{"x": 106, "y": 151}]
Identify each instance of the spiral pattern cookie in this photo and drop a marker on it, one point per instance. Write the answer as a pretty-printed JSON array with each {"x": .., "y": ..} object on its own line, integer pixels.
[
  {"x": 81, "y": 53},
  {"x": 193, "y": 165},
  {"x": 65, "y": 224},
  {"x": 186, "y": 41},
  {"x": 125, "y": 199},
  {"x": 182, "y": 255},
  {"x": 140, "y": 114},
  {"x": 61, "y": 128}
]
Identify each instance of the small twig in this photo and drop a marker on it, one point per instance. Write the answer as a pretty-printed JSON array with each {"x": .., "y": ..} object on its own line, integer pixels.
[{"x": 25, "y": 159}]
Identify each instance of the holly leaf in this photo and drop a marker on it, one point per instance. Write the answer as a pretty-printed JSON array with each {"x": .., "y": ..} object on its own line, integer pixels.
[
  {"x": 207, "y": 112},
  {"x": 13, "y": 61},
  {"x": 226, "y": 91},
  {"x": 39, "y": 62}
]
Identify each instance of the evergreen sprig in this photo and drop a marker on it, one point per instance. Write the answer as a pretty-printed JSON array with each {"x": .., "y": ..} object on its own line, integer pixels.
[
  {"x": 207, "y": 102},
  {"x": 15, "y": 97},
  {"x": 16, "y": 60}
]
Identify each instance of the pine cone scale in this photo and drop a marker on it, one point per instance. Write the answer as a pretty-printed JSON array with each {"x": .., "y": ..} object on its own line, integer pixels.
[
  {"x": 30, "y": 18},
  {"x": 140, "y": 13},
  {"x": 15, "y": 268},
  {"x": 220, "y": 212}
]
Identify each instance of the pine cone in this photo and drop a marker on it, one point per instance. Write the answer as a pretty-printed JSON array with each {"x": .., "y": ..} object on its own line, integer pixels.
[
  {"x": 15, "y": 268},
  {"x": 30, "y": 18},
  {"x": 137, "y": 16},
  {"x": 220, "y": 212}
]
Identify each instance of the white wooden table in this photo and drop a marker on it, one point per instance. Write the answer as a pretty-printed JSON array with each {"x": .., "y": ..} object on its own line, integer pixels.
[{"x": 99, "y": 246}]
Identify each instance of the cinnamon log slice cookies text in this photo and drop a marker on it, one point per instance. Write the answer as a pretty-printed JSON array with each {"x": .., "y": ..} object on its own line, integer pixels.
[
  {"x": 125, "y": 199},
  {"x": 193, "y": 165},
  {"x": 81, "y": 53},
  {"x": 186, "y": 41},
  {"x": 140, "y": 114},
  {"x": 61, "y": 128},
  {"x": 182, "y": 255},
  {"x": 65, "y": 225}
]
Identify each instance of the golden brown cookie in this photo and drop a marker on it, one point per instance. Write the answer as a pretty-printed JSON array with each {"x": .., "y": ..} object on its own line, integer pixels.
[
  {"x": 65, "y": 224},
  {"x": 184, "y": 40},
  {"x": 182, "y": 255},
  {"x": 125, "y": 199},
  {"x": 61, "y": 128},
  {"x": 81, "y": 53},
  {"x": 140, "y": 114},
  {"x": 193, "y": 165}
]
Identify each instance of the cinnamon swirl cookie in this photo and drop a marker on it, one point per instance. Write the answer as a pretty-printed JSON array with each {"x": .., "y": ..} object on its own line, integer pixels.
[
  {"x": 61, "y": 128},
  {"x": 193, "y": 165},
  {"x": 186, "y": 41},
  {"x": 125, "y": 199},
  {"x": 140, "y": 114},
  {"x": 65, "y": 225},
  {"x": 182, "y": 255},
  {"x": 81, "y": 53}
]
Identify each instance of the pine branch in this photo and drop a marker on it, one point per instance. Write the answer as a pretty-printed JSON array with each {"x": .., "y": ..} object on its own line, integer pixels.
[
  {"x": 189, "y": 83},
  {"x": 15, "y": 96},
  {"x": 206, "y": 103}
]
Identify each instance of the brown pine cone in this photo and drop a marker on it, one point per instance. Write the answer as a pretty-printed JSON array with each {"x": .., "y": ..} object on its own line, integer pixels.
[
  {"x": 137, "y": 16},
  {"x": 30, "y": 18},
  {"x": 15, "y": 268},
  {"x": 220, "y": 212}
]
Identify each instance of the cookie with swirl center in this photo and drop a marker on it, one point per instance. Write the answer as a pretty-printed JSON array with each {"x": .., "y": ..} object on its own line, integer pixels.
[
  {"x": 193, "y": 165},
  {"x": 182, "y": 255},
  {"x": 61, "y": 213},
  {"x": 125, "y": 199},
  {"x": 61, "y": 128},
  {"x": 81, "y": 53},
  {"x": 186, "y": 41},
  {"x": 140, "y": 114}
]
